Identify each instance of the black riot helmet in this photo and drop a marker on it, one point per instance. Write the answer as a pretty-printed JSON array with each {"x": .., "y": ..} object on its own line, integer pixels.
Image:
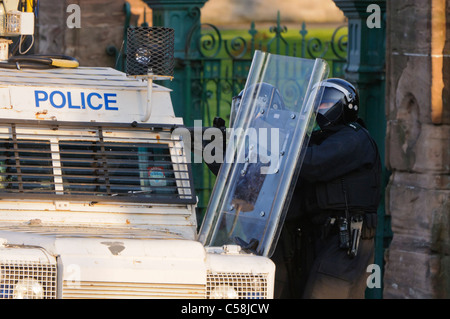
[{"x": 339, "y": 103}]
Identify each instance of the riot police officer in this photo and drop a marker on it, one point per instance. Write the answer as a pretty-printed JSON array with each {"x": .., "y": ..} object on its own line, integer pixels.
[{"x": 327, "y": 240}]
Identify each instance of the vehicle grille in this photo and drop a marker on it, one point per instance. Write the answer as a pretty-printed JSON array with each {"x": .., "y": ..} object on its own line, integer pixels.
[
  {"x": 246, "y": 285},
  {"x": 13, "y": 272},
  {"x": 111, "y": 290}
]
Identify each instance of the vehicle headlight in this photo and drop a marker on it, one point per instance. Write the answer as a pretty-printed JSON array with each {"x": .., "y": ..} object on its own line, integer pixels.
[
  {"x": 236, "y": 285},
  {"x": 223, "y": 292},
  {"x": 27, "y": 273},
  {"x": 28, "y": 289}
]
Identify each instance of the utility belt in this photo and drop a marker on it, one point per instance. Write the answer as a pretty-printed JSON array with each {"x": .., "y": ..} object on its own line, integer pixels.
[{"x": 351, "y": 227}]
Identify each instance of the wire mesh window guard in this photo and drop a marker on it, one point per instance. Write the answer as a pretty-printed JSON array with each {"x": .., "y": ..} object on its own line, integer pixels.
[
  {"x": 95, "y": 164},
  {"x": 150, "y": 48}
]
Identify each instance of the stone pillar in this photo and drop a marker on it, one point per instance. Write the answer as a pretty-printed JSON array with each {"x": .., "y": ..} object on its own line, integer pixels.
[{"x": 417, "y": 148}]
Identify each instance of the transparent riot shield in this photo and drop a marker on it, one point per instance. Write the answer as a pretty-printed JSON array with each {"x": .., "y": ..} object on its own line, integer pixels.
[{"x": 265, "y": 149}]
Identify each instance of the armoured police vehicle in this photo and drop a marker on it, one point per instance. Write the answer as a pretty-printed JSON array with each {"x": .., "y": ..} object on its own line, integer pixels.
[{"x": 96, "y": 189}]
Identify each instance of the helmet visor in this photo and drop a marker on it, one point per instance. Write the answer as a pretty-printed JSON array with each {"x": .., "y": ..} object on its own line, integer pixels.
[
  {"x": 330, "y": 98},
  {"x": 330, "y": 107}
]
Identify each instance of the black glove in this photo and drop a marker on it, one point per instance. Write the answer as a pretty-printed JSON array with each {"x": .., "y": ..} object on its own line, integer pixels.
[{"x": 219, "y": 123}]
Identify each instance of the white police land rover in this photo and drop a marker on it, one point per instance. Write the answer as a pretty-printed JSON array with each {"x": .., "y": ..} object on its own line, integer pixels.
[
  {"x": 96, "y": 190},
  {"x": 96, "y": 203}
]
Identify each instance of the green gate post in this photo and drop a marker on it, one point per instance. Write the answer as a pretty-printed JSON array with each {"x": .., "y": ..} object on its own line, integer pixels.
[
  {"x": 183, "y": 16},
  {"x": 366, "y": 69}
]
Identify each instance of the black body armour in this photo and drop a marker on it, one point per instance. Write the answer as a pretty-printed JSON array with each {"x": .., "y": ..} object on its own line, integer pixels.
[{"x": 341, "y": 169}]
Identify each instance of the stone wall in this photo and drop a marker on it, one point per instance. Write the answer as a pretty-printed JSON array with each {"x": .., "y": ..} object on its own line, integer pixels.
[
  {"x": 417, "y": 152},
  {"x": 102, "y": 24}
]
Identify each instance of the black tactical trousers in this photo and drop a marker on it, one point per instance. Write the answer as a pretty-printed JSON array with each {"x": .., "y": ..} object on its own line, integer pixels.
[
  {"x": 311, "y": 265},
  {"x": 334, "y": 275}
]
